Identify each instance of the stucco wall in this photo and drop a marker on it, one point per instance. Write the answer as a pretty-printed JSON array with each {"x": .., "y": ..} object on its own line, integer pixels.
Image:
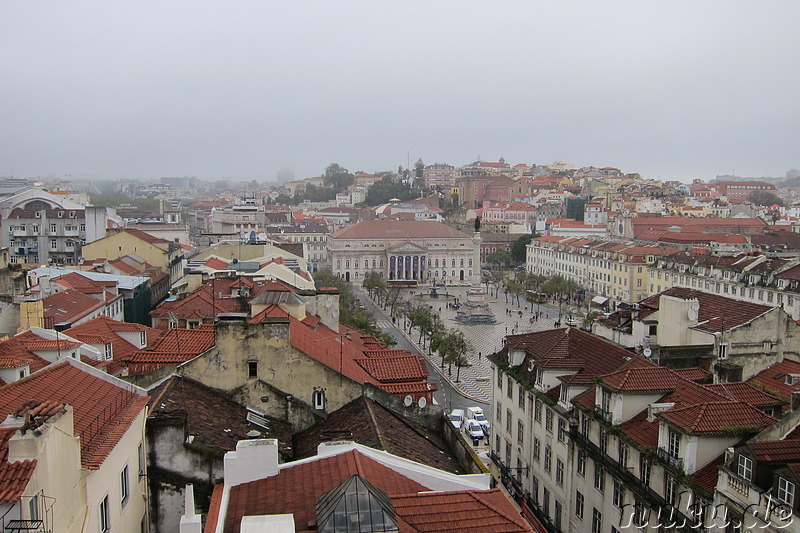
[{"x": 279, "y": 364}]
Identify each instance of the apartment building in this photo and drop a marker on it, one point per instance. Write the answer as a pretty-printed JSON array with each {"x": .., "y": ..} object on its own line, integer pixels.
[
  {"x": 589, "y": 437},
  {"x": 614, "y": 272}
]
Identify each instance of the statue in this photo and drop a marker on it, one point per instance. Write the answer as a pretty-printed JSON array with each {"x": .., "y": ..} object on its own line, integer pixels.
[{"x": 477, "y": 224}]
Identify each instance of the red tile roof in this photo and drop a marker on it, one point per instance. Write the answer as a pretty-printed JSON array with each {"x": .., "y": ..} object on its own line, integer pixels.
[
  {"x": 92, "y": 398},
  {"x": 79, "y": 282},
  {"x": 174, "y": 346},
  {"x": 103, "y": 329},
  {"x": 745, "y": 392},
  {"x": 296, "y": 488},
  {"x": 464, "y": 511},
  {"x": 776, "y": 451},
  {"x": 706, "y": 477},
  {"x": 14, "y": 477},
  {"x": 399, "y": 230},
  {"x": 68, "y": 306},
  {"x": 774, "y": 379},
  {"x": 718, "y": 418},
  {"x": 395, "y": 369}
]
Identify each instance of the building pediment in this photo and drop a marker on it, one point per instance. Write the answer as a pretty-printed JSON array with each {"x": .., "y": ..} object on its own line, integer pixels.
[{"x": 407, "y": 248}]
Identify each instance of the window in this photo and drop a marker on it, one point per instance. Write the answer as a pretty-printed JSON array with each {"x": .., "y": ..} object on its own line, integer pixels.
[
  {"x": 105, "y": 516},
  {"x": 499, "y": 412},
  {"x": 548, "y": 459},
  {"x": 53, "y": 228},
  {"x": 585, "y": 425},
  {"x": 499, "y": 380},
  {"x": 603, "y": 441},
  {"x": 319, "y": 399},
  {"x": 252, "y": 369},
  {"x": 510, "y": 387},
  {"x": 557, "y": 516},
  {"x": 53, "y": 244},
  {"x": 537, "y": 447},
  {"x": 546, "y": 502},
  {"x": 670, "y": 490},
  {"x": 124, "y": 486},
  {"x": 33, "y": 508},
  {"x": 674, "y": 444},
  {"x": 559, "y": 471},
  {"x": 644, "y": 470},
  {"x": 785, "y": 491},
  {"x": 508, "y": 421},
  {"x": 564, "y": 396},
  {"x": 619, "y": 494},
  {"x": 142, "y": 339},
  {"x": 548, "y": 423},
  {"x": 723, "y": 350},
  {"x": 537, "y": 410},
  {"x": 109, "y": 351},
  {"x": 520, "y": 432},
  {"x": 623, "y": 454},
  {"x": 599, "y": 477},
  {"x": 597, "y": 521},
  {"x": 562, "y": 430},
  {"x": 521, "y": 397},
  {"x": 579, "y": 504},
  {"x": 745, "y": 467},
  {"x": 582, "y": 463}
]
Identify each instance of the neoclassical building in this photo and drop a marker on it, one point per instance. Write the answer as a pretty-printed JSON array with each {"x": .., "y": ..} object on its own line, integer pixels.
[{"x": 422, "y": 250}]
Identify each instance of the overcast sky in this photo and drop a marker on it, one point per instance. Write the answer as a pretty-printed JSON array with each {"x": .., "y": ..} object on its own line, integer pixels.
[{"x": 676, "y": 90}]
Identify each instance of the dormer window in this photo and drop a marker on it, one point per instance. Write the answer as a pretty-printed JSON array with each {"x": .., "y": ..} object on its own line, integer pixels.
[
  {"x": 744, "y": 467},
  {"x": 142, "y": 339},
  {"x": 564, "y": 393},
  {"x": 60, "y": 214},
  {"x": 785, "y": 491},
  {"x": 109, "y": 351},
  {"x": 674, "y": 444}
]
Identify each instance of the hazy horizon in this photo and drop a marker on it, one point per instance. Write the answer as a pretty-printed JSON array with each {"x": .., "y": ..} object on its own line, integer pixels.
[{"x": 678, "y": 91}]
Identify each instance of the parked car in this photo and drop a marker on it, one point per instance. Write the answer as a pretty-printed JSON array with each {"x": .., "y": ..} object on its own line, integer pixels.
[
  {"x": 457, "y": 418},
  {"x": 476, "y": 413},
  {"x": 474, "y": 429}
]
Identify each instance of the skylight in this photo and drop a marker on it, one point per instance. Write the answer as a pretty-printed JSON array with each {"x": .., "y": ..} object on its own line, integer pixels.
[{"x": 355, "y": 506}]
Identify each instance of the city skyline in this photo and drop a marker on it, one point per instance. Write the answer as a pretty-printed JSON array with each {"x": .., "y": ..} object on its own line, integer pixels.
[{"x": 673, "y": 92}]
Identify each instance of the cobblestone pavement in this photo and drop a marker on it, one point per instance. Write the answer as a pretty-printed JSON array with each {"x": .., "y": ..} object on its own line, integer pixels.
[{"x": 485, "y": 339}]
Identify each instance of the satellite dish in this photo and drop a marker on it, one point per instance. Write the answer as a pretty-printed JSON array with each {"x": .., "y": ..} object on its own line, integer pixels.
[
  {"x": 647, "y": 352},
  {"x": 407, "y": 401},
  {"x": 692, "y": 314},
  {"x": 335, "y": 312},
  {"x": 422, "y": 402},
  {"x": 328, "y": 302}
]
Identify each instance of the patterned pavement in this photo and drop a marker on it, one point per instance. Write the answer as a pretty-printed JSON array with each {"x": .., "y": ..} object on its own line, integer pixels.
[{"x": 483, "y": 339}]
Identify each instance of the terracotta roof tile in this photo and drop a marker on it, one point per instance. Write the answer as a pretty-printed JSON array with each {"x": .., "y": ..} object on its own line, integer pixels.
[
  {"x": 295, "y": 489},
  {"x": 68, "y": 306},
  {"x": 745, "y": 392},
  {"x": 718, "y": 418},
  {"x": 399, "y": 230},
  {"x": 92, "y": 398},
  {"x": 202, "y": 409},
  {"x": 367, "y": 422},
  {"x": 776, "y": 451},
  {"x": 778, "y": 379}
]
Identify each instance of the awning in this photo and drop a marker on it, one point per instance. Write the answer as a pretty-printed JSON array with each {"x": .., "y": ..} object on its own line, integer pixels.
[{"x": 599, "y": 300}]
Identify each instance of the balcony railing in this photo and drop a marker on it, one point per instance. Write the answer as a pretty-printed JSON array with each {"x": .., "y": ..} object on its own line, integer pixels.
[
  {"x": 739, "y": 485},
  {"x": 671, "y": 460},
  {"x": 602, "y": 413}
]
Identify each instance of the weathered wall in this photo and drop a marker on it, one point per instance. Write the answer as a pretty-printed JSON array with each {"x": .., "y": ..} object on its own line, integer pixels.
[
  {"x": 463, "y": 452},
  {"x": 9, "y": 316},
  {"x": 277, "y": 403},
  {"x": 172, "y": 465},
  {"x": 278, "y": 363}
]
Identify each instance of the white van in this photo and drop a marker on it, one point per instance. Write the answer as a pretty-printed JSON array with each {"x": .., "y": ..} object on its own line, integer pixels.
[
  {"x": 457, "y": 418},
  {"x": 476, "y": 414}
]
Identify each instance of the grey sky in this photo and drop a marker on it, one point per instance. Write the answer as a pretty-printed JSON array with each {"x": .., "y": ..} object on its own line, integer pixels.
[{"x": 240, "y": 89}]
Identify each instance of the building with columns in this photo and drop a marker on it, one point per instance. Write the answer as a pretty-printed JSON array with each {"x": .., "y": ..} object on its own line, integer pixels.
[{"x": 422, "y": 250}]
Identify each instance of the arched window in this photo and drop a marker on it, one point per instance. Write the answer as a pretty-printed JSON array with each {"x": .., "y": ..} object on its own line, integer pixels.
[
  {"x": 347, "y": 264},
  {"x": 356, "y": 263},
  {"x": 381, "y": 263},
  {"x": 437, "y": 263},
  {"x": 338, "y": 263},
  {"x": 453, "y": 263},
  {"x": 462, "y": 262},
  {"x": 470, "y": 263}
]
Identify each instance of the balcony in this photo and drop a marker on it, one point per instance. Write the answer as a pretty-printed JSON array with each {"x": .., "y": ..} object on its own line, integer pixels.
[
  {"x": 674, "y": 462},
  {"x": 602, "y": 414},
  {"x": 759, "y": 508}
]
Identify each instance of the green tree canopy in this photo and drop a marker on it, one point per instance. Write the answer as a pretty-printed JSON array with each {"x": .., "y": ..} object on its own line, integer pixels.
[
  {"x": 765, "y": 198},
  {"x": 387, "y": 188},
  {"x": 520, "y": 248},
  {"x": 337, "y": 177}
]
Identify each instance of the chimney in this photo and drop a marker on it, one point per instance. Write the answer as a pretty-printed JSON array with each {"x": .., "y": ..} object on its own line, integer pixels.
[
  {"x": 253, "y": 459},
  {"x": 190, "y": 521}
]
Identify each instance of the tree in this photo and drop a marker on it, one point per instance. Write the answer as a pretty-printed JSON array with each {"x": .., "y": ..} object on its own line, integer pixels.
[
  {"x": 337, "y": 177},
  {"x": 419, "y": 168},
  {"x": 765, "y": 198},
  {"x": 455, "y": 348},
  {"x": 519, "y": 249},
  {"x": 499, "y": 257},
  {"x": 496, "y": 280},
  {"x": 385, "y": 189},
  {"x": 559, "y": 287}
]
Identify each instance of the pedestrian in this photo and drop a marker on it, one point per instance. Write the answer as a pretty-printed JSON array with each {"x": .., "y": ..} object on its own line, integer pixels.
[{"x": 480, "y": 355}]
